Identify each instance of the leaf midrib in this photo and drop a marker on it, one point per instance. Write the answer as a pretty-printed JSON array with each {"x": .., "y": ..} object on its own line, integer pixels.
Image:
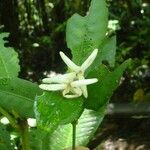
[{"x": 17, "y": 95}]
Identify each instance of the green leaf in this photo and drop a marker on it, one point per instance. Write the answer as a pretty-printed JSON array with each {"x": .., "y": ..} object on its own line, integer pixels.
[
  {"x": 39, "y": 140},
  {"x": 97, "y": 20},
  {"x": 9, "y": 66},
  {"x": 52, "y": 109},
  {"x": 101, "y": 92},
  {"x": 107, "y": 52},
  {"x": 17, "y": 96},
  {"x": 86, "y": 127},
  {"x": 5, "y": 143},
  {"x": 83, "y": 34}
]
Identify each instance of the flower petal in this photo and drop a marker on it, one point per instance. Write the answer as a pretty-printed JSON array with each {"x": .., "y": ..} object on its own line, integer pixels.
[
  {"x": 71, "y": 96},
  {"x": 69, "y": 63},
  {"x": 83, "y": 82},
  {"x": 52, "y": 87},
  {"x": 84, "y": 91},
  {"x": 68, "y": 77},
  {"x": 89, "y": 60}
]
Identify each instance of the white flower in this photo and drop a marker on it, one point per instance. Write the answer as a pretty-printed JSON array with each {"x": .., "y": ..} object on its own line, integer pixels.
[
  {"x": 66, "y": 83},
  {"x": 71, "y": 84},
  {"x": 79, "y": 70}
]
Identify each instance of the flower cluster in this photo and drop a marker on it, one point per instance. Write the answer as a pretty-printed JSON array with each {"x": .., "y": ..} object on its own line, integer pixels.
[{"x": 71, "y": 84}]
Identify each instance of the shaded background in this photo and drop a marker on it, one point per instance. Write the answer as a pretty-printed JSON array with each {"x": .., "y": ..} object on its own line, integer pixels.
[{"x": 37, "y": 32}]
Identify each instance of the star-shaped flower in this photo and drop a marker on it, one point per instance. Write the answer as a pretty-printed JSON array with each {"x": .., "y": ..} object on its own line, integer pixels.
[
  {"x": 80, "y": 70},
  {"x": 72, "y": 84},
  {"x": 66, "y": 83}
]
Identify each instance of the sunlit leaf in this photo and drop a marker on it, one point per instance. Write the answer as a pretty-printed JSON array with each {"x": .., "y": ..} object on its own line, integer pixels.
[{"x": 86, "y": 127}]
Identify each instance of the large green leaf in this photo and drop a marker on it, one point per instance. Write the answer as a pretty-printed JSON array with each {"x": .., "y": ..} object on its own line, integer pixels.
[
  {"x": 9, "y": 66},
  {"x": 17, "y": 96},
  {"x": 5, "y": 143},
  {"x": 86, "y": 127},
  {"x": 100, "y": 93},
  {"x": 52, "y": 109},
  {"x": 83, "y": 34}
]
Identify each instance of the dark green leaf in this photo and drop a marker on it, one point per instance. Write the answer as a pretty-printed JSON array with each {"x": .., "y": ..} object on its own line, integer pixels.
[
  {"x": 52, "y": 109},
  {"x": 17, "y": 96},
  {"x": 5, "y": 143},
  {"x": 39, "y": 140},
  {"x": 101, "y": 92}
]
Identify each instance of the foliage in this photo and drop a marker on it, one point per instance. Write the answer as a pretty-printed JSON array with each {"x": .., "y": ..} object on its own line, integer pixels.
[
  {"x": 20, "y": 93},
  {"x": 52, "y": 109},
  {"x": 87, "y": 125},
  {"x": 89, "y": 30},
  {"x": 105, "y": 88},
  {"x": 16, "y": 95},
  {"x": 38, "y": 35},
  {"x": 8, "y": 61},
  {"x": 132, "y": 31},
  {"x": 5, "y": 143},
  {"x": 82, "y": 38}
]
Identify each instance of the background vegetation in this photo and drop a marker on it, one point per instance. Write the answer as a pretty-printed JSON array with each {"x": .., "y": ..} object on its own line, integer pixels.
[{"x": 37, "y": 32}]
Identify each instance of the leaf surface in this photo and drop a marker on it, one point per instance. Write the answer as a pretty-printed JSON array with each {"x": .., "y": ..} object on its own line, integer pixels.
[
  {"x": 86, "y": 127},
  {"x": 107, "y": 52},
  {"x": 17, "y": 96},
  {"x": 39, "y": 140},
  {"x": 5, "y": 143},
  {"x": 101, "y": 92},
  {"x": 52, "y": 109},
  {"x": 9, "y": 63},
  {"x": 83, "y": 34}
]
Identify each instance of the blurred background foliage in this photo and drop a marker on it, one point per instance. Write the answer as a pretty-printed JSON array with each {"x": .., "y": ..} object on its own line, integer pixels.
[{"x": 37, "y": 32}]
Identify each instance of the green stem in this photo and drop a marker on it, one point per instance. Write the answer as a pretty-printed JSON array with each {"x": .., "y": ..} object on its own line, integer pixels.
[
  {"x": 74, "y": 135},
  {"x": 21, "y": 125},
  {"x": 11, "y": 119},
  {"x": 24, "y": 134}
]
